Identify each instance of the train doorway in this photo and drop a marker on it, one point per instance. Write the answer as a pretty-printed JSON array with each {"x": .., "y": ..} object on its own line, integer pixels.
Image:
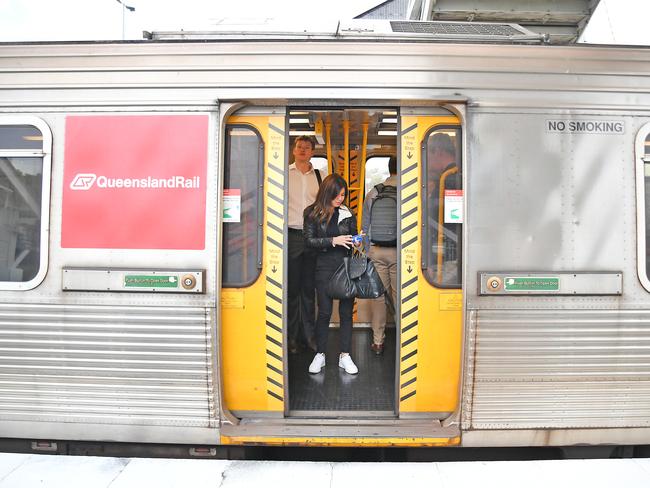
[
  {"x": 357, "y": 144},
  {"x": 417, "y": 374}
]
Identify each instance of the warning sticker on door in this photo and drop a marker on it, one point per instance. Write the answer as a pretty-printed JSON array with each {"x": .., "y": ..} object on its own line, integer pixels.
[
  {"x": 453, "y": 206},
  {"x": 231, "y": 205}
]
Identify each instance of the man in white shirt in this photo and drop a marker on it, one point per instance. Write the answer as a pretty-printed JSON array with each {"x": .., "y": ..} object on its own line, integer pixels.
[{"x": 304, "y": 181}]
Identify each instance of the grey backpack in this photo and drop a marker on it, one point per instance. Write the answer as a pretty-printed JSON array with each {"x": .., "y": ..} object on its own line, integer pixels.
[{"x": 383, "y": 216}]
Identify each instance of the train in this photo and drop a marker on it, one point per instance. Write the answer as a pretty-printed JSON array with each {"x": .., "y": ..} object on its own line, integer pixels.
[{"x": 143, "y": 234}]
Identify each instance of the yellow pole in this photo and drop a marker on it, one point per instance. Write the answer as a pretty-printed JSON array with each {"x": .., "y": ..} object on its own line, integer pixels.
[
  {"x": 346, "y": 151},
  {"x": 328, "y": 141},
  {"x": 362, "y": 174},
  {"x": 440, "y": 224}
]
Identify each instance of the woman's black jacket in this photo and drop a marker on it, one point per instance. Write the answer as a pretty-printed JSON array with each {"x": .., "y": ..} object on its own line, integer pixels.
[{"x": 315, "y": 233}]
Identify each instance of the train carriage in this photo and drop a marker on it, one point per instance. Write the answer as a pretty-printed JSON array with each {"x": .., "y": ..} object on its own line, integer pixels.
[{"x": 143, "y": 234}]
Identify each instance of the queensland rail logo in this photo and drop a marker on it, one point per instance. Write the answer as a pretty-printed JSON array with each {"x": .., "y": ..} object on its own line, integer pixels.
[{"x": 85, "y": 181}]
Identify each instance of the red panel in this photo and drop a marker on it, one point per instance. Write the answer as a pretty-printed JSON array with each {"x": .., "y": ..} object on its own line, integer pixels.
[{"x": 135, "y": 182}]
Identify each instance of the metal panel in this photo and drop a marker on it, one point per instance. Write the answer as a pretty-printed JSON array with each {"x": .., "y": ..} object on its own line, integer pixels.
[
  {"x": 133, "y": 280},
  {"x": 466, "y": 31},
  {"x": 124, "y": 366},
  {"x": 173, "y": 74},
  {"x": 559, "y": 283},
  {"x": 579, "y": 188},
  {"x": 558, "y": 368}
]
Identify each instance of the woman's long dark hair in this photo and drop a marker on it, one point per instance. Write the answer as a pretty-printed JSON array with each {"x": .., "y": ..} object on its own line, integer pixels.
[{"x": 328, "y": 191}]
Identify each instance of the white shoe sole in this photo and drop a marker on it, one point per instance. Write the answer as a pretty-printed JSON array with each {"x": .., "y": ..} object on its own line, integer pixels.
[{"x": 343, "y": 368}]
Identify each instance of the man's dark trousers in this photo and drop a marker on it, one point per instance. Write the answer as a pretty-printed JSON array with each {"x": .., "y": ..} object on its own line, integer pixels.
[{"x": 301, "y": 307}]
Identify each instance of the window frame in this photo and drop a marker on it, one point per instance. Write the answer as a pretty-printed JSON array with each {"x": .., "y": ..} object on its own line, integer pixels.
[
  {"x": 260, "y": 203},
  {"x": 424, "y": 261},
  {"x": 46, "y": 183},
  {"x": 640, "y": 160}
]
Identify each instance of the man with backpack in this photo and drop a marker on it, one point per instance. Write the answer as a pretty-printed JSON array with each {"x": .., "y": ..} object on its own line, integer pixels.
[{"x": 380, "y": 227}]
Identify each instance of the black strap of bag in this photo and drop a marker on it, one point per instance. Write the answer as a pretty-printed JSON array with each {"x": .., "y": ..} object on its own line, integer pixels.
[{"x": 318, "y": 177}]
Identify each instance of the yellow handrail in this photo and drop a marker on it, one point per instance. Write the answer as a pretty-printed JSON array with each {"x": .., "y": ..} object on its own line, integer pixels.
[
  {"x": 441, "y": 196},
  {"x": 362, "y": 174},
  {"x": 346, "y": 154},
  {"x": 328, "y": 141}
]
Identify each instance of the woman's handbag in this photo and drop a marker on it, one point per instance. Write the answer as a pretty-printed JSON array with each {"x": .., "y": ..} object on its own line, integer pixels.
[
  {"x": 364, "y": 276},
  {"x": 340, "y": 285},
  {"x": 356, "y": 277}
]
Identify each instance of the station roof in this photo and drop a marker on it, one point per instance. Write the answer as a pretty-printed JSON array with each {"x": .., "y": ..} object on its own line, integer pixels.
[
  {"x": 562, "y": 21},
  {"x": 471, "y": 21}
]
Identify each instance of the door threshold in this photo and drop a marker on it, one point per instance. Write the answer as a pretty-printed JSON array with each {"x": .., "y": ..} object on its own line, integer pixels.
[
  {"x": 337, "y": 414},
  {"x": 342, "y": 431}
]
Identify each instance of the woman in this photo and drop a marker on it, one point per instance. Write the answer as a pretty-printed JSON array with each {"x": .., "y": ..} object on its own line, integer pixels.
[{"x": 328, "y": 228}]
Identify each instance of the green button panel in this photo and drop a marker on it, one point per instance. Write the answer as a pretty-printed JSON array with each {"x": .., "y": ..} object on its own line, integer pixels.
[
  {"x": 531, "y": 283},
  {"x": 150, "y": 281}
]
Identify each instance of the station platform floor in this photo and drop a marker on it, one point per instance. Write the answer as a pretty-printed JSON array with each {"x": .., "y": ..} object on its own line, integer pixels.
[{"x": 54, "y": 471}]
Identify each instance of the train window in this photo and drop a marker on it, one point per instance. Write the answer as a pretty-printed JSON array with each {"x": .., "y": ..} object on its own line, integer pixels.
[
  {"x": 242, "y": 242},
  {"x": 25, "y": 148},
  {"x": 442, "y": 204},
  {"x": 376, "y": 171},
  {"x": 320, "y": 163}
]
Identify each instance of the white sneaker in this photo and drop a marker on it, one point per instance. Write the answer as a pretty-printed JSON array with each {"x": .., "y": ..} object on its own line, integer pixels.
[
  {"x": 318, "y": 363},
  {"x": 345, "y": 362}
]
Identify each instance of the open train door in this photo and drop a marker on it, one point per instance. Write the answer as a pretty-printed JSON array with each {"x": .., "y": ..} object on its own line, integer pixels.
[
  {"x": 431, "y": 210},
  {"x": 252, "y": 264}
]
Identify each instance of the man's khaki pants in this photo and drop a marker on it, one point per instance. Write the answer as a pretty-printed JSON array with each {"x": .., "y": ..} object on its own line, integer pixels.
[{"x": 385, "y": 261}]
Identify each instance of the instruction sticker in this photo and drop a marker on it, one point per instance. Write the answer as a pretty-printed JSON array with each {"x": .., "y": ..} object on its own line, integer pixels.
[
  {"x": 231, "y": 205},
  {"x": 150, "y": 281},
  {"x": 453, "y": 206},
  {"x": 532, "y": 284}
]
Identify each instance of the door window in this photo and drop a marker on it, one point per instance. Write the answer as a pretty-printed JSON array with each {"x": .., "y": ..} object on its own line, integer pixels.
[
  {"x": 443, "y": 207},
  {"x": 243, "y": 174}
]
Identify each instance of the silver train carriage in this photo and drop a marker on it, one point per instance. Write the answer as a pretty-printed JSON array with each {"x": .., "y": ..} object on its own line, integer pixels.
[{"x": 143, "y": 265}]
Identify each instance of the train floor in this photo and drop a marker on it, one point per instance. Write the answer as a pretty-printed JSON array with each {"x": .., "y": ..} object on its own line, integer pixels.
[
  {"x": 333, "y": 392},
  {"x": 61, "y": 471}
]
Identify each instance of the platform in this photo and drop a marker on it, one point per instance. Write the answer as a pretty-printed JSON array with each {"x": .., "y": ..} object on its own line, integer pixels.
[{"x": 59, "y": 471}]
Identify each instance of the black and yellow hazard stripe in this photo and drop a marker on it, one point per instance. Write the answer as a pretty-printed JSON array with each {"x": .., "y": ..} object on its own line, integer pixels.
[
  {"x": 409, "y": 271},
  {"x": 353, "y": 183},
  {"x": 275, "y": 194}
]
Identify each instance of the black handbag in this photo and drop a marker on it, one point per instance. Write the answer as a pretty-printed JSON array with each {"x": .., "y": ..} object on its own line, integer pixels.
[
  {"x": 356, "y": 277},
  {"x": 340, "y": 285},
  {"x": 364, "y": 276}
]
